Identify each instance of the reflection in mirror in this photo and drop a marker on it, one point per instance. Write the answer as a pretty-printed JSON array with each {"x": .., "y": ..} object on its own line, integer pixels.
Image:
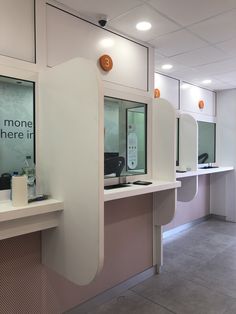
[
  {"x": 16, "y": 127},
  {"x": 206, "y": 142},
  {"x": 125, "y": 137}
]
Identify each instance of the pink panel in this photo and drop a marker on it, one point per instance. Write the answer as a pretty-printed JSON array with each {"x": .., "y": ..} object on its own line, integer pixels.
[
  {"x": 197, "y": 208},
  {"x": 26, "y": 286}
]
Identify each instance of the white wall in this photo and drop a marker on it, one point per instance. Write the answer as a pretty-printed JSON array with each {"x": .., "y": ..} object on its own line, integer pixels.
[{"x": 223, "y": 187}]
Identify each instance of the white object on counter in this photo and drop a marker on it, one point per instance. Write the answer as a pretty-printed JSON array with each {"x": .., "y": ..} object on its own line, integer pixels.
[{"x": 19, "y": 191}]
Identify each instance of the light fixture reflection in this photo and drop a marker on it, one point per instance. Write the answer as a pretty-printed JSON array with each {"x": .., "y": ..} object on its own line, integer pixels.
[
  {"x": 167, "y": 66},
  {"x": 107, "y": 42},
  {"x": 143, "y": 26},
  {"x": 206, "y": 81}
]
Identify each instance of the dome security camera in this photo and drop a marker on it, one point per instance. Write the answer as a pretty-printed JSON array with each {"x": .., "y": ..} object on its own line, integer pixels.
[{"x": 102, "y": 21}]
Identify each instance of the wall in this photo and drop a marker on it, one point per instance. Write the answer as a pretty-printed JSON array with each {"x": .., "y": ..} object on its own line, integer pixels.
[
  {"x": 197, "y": 208},
  {"x": 223, "y": 200}
]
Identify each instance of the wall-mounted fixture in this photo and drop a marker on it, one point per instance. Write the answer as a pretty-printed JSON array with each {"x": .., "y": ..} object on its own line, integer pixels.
[
  {"x": 201, "y": 104},
  {"x": 106, "y": 63},
  {"x": 157, "y": 93}
]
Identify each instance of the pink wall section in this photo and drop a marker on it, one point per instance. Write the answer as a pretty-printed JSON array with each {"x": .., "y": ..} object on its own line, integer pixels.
[
  {"x": 26, "y": 286},
  {"x": 197, "y": 208}
]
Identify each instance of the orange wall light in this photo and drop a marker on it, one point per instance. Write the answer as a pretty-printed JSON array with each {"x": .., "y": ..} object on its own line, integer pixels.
[
  {"x": 201, "y": 104},
  {"x": 157, "y": 93}
]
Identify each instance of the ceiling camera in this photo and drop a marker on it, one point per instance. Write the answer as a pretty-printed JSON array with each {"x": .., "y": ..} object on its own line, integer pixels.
[{"x": 102, "y": 21}]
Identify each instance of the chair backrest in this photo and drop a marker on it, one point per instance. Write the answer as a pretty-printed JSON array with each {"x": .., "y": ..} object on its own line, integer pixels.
[
  {"x": 114, "y": 165},
  {"x": 202, "y": 158}
]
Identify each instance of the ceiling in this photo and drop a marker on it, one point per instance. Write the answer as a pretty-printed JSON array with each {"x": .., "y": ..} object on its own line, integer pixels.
[{"x": 198, "y": 37}]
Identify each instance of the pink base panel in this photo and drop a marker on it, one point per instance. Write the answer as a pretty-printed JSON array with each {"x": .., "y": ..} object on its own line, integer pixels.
[
  {"x": 26, "y": 286},
  {"x": 197, "y": 208}
]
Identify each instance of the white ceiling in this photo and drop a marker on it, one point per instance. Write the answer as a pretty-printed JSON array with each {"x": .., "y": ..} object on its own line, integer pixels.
[{"x": 197, "y": 36}]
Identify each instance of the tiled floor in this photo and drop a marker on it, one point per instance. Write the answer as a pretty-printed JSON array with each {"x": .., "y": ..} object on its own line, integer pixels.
[{"x": 198, "y": 277}]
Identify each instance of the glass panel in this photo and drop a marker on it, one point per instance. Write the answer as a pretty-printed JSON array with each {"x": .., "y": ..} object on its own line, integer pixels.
[
  {"x": 16, "y": 127},
  {"x": 125, "y": 137},
  {"x": 177, "y": 142},
  {"x": 206, "y": 142}
]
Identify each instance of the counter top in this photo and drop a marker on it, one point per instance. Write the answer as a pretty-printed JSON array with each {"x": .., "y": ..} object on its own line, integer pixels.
[
  {"x": 200, "y": 172},
  {"x": 36, "y": 216},
  {"x": 134, "y": 190},
  {"x": 8, "y": 212}
]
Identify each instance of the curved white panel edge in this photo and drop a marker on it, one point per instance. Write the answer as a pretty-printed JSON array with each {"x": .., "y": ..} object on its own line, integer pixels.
[
  {"x": 71, "y": 167},
  {"x": 163, "y": 140},
  {"x": 188, "y": 142},
  {"x": 188, "y": 190}
]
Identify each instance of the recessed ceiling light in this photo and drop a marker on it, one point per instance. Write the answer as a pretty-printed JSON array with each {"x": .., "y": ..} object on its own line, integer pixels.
[
  {"x": 167, "y": 66},
  {"x": 143, "y": 26},
  {"x": 206, "y": 81}
]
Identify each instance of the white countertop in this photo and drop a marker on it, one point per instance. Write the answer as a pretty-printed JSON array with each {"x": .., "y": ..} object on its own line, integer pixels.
[
  {"x": 134, "y": 190},
  {"x": 8, "y": 212},
  {"x": 200, "y": 172}
]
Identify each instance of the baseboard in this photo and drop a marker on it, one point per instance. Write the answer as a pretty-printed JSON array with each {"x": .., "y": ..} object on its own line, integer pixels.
[
  {"x": 186, "y": 226},
  {"x": 113, "y": 292},
  {"x": 218, "y": 217}
]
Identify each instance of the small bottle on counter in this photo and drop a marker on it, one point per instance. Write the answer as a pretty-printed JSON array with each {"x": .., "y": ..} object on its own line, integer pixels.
[{"x": 29, "y": 171}]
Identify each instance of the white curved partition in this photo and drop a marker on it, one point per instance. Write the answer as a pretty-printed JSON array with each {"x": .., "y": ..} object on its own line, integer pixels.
[
  {"x": 188, "y": 156},
  {"x": 163, "y": 143},
  {"x": 163, "y": 168},
  {"x": 71, "y": 167},
  {"x": 188, "y": 142}
]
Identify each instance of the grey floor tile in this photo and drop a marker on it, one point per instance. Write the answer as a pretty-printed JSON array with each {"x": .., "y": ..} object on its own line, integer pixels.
[
  {"x": 216, "y": 277},
  {"x": 182, "y": 263},
  {"x": 183, "y": 296},
  {"x": 227, "y": 259},
  {"x": 130, "y": 303},
  {"x": 223, "y": 227},
  {"x": 199, "y": 244}
]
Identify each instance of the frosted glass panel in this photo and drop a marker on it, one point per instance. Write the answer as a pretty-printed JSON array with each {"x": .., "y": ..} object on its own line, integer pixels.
[
  {"x": 125, "y": 137},
  {"x": 206, "y": 142},
  {"x": 16, "y": 126}
]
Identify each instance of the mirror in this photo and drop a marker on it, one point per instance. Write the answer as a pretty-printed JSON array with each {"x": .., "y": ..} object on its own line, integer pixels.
[
  {"x": 16, "y": 127},
  {"x": 206, "y": 142},
  {"x": 125, "y": 137}
]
